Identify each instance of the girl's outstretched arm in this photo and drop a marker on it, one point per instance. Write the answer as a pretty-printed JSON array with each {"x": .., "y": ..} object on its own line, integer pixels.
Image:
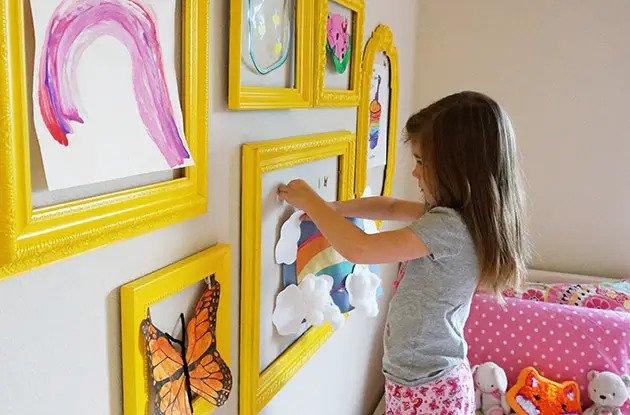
[
  {"x": 380, "y": 208},
  {"x": 350, "y": 241}
]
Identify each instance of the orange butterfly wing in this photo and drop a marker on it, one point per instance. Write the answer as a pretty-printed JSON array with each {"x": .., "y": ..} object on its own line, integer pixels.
[
  {"x": 167, "y": 369},
  {"x": 210, "y": 377}
]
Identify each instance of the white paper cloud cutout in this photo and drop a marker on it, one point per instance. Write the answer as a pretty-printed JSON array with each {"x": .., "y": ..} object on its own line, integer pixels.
[
  {"x": 309, "y": 301},
  {"x": 362, "y": 286},
  {"x": 286, "y": 248}
]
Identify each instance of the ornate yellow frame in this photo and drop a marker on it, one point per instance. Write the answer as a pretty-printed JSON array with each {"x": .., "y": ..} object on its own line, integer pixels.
[
  {"x": 260, "y": 98},
  {"x": 382, "y": 40},
  {"x": 31, "y": 237},
  {"x": 325, "y": 97},
  {"x": 257, "y": 389},
  {"x": 137, "y": 296}
]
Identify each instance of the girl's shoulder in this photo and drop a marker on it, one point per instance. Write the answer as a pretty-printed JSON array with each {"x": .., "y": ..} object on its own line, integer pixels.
[{"x": 443, "y": 231}]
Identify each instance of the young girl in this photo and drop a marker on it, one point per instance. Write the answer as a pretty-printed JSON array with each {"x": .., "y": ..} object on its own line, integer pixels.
[{"x": 467, "y": 234}]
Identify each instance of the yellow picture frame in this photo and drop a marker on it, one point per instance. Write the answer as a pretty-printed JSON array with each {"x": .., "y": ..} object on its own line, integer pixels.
[
  {"x": 325, "y": 97},
  {"x": 382, "y": 40},
  {"x": 257, "y": 389},
  {"x": 260, "y": 98},
  {"x": 137, "y": 296},
  {"x": 29, "y": 237}
]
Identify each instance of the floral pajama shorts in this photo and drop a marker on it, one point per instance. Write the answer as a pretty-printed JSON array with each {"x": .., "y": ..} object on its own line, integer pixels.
[{"x": 452, "y": 394}]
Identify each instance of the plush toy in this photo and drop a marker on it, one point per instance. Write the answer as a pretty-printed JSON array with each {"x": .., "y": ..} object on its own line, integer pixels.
[
  {"x": 534, "y": 394},
  {"x": 490, "y": 387},
  {"x": 362, "y": 286},
  {"x": 608, "y": 391}
]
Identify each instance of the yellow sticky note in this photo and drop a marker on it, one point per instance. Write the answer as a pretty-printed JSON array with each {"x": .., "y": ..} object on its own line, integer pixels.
[{"x": 278, "y": 48}]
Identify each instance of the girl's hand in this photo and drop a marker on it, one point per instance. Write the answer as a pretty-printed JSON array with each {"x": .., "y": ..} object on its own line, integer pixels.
[{"x": 298, "y": 194}]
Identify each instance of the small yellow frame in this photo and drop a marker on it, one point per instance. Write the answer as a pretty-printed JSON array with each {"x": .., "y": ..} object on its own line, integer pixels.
[
  {"x": 325, "y": 97},
  {"x": 137, "y": 296},
  {"x": 382, "y": 40},
  {"x": 257, "y": 389},
  {"x": 29, "y": 237},
  {"x": 260, "y": 98}
]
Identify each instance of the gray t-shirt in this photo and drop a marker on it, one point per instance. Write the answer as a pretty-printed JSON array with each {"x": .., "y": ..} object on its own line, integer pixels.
[{"x": 424, "y": 333}]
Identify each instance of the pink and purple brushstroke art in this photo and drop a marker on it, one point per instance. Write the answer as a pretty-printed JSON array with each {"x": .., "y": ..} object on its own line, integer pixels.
[{"x": 74, "y": 25}]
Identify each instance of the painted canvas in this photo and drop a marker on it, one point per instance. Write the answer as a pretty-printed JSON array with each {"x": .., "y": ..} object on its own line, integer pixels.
[
  {"x": 379, "y": 115},
  {"x": 105, "y": 93}
]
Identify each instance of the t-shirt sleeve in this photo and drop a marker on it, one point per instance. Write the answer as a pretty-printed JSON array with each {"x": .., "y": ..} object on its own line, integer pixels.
[{"x": 441, "y": 230}]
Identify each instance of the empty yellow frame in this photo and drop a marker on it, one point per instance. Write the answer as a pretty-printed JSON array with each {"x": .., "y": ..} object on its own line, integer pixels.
[
  {"x": 241, "y": 97},
  {"x": 30, "y": 237},
  {"x": 325, "y": 97},
  {"x": 382, "y": 40},
  {"x": 256, "y": 388},
  {"x": 136, "y": 298}
]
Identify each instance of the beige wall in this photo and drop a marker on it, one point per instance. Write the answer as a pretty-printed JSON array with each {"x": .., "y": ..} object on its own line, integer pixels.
[{"x": 562, "y": 70}]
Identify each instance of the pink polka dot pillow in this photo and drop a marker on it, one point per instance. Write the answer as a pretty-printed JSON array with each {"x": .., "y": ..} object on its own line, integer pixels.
[
  {"x": 562, "y": 343},
  {"x": 614, "y": 295}
]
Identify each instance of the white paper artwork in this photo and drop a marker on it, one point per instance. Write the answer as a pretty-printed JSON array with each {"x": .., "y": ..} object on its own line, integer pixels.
[
  {"x": 286, "y": 248},
  {"x": 105, "y": 94},
  {"x": 309, "y": 303},
  {"x": 378, "y": 123}
]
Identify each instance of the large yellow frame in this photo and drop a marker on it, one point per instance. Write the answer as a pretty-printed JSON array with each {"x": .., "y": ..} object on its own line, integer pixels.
[
  {"x": 325, "y": 97},
  {"x": 382, "y": 40},
  {"x": 137, "y": 296},
  {"x": 257, "y": 389},
  {"x": 260, "y": 98},
  {"x": 33, "y": 237}
]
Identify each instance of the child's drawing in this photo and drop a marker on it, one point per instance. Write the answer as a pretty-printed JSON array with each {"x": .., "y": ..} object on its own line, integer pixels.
[
  {"x": 269, "y": 33},
  {"x": 106, "y": 101},
  {"x": 338, "y": 41},
  {"x": 379, "y": 115}
]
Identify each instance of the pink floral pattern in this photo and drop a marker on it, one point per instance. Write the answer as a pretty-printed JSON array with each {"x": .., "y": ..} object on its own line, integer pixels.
[
  {"x": 453, "y": 394},
  {"x": 614, "y": 296}
]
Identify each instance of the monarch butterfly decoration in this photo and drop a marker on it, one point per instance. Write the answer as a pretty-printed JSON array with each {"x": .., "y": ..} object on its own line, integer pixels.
[{"x": 197, "y": 367}]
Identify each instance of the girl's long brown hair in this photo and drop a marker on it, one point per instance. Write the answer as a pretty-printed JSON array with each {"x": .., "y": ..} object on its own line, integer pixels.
[{"x": 471, "y": 164}]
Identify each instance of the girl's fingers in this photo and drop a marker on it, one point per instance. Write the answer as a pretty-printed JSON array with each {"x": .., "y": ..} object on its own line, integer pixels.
[{"x": 282, "y": 189}]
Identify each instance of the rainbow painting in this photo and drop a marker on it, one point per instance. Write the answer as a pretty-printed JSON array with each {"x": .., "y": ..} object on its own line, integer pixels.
[
  {"x": 71, "y": 29},
  {"x": 316, "y": 256},
  {"x": 375, "y": 116}
]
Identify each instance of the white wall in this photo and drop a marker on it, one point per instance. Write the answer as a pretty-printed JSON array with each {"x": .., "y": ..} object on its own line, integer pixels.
[
  {"x": 562, "y": 70},
  {"x": 60, "y": 342}
]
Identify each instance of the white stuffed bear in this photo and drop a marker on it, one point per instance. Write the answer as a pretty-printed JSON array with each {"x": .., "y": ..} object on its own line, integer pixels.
[
  {"x": 490, "y": 386},
  {"x": 608, "y": 391}
]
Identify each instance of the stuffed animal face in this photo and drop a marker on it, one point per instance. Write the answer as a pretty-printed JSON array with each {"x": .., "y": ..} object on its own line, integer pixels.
[
  {"x": 535, "y": 395},
  {"x": 490, "y": 378},
  {"x": 608, "y": 389}
]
